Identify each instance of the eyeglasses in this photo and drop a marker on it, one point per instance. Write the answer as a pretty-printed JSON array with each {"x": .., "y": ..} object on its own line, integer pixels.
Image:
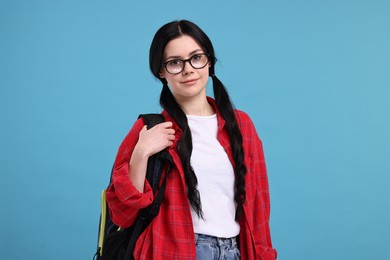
[{"x": 197, "y": 61}]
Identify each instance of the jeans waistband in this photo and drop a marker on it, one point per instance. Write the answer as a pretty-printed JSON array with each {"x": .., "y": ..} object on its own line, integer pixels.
[{"x": 230, "y": 242}]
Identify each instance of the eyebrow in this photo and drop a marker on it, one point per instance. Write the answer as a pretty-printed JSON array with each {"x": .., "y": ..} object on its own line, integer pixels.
[{"x": 179, "y": 57}]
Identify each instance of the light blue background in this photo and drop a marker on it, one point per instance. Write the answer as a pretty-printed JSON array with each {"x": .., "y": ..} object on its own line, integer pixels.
[{"x": 313, "y": 75}]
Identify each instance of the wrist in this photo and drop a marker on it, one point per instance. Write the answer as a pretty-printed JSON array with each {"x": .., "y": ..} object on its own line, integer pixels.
[{"x": 140, "y": 152}]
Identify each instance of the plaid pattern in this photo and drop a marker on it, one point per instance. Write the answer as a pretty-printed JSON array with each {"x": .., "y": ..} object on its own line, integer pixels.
[{"x": 171, "y": 235}]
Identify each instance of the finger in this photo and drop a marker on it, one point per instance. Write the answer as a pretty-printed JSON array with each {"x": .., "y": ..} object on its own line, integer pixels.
[
  {"x": 167, "y": 124},
  {"x": 170, "y": 131},
  {"x": 144, "y": 128}
]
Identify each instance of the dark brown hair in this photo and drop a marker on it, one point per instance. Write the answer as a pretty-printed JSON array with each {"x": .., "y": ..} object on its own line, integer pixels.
[{"x": 164, "y": 35}]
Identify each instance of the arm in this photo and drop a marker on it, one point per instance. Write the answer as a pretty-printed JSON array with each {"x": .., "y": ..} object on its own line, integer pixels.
[
  {"x": 258, "y": 198},
  {"x": 150, "y": 142},
  {"x": 262, "y": 218},
  {"x": 129, "y": 191}
]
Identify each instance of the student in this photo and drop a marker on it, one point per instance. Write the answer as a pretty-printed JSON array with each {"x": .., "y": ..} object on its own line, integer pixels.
[{"x": 216, "y": 203}]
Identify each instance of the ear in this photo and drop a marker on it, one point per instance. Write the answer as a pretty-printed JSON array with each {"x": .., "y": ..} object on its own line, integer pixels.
[{"x": 161, "y": 74}]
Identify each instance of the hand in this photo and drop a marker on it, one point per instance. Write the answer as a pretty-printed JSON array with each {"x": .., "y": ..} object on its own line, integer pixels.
[{"x": 155, "y": 139}]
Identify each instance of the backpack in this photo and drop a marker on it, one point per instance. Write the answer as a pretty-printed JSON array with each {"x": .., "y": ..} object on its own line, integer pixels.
[{"x": 116, "y": 243}]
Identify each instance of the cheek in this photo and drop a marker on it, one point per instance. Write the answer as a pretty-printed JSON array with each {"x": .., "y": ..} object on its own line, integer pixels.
[
  {"x": 206, "y": 71},
  {"x": 170, "y": 79}
]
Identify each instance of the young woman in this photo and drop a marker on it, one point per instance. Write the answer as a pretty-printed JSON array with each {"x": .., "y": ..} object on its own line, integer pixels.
[{"x": 216, "y": 203}]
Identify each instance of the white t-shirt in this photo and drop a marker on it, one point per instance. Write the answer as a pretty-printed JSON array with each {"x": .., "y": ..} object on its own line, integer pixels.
[{"x": 215, "y": 176}]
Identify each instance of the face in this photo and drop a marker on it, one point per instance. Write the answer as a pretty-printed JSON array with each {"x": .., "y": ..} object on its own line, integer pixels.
[{"x": 190, "y": 83}]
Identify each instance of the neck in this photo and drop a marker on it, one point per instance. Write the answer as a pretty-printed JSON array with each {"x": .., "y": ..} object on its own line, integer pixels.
[{"x": 198, "y": 107}]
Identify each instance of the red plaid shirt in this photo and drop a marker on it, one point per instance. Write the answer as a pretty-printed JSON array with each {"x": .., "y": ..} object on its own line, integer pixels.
[{"x": 171, "y": 234}]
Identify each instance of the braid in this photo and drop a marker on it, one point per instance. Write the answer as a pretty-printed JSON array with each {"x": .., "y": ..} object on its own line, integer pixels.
[
  {"x": 184, "y": 146},
  {"x": 162, "y": 37},
  {"x": 225, "y": 107}
]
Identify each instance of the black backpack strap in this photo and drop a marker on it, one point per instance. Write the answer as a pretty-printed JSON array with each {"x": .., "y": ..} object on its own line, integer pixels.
[
  {"x": 152, "y": 119},
  {"x": 144, "y": 218},
  {"x": 109, "y": 230},
  {"x": 155, "y": 167}
]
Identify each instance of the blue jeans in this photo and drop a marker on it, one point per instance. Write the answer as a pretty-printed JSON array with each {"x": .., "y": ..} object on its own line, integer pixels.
[{"x": 214, "y": 248}]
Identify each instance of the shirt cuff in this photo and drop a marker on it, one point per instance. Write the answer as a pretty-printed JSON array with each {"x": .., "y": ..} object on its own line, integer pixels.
[{"x": 127, "y": 193}]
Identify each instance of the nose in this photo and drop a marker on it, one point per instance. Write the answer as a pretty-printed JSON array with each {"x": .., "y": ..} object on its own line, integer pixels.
[{"x": 187, "y": 67}]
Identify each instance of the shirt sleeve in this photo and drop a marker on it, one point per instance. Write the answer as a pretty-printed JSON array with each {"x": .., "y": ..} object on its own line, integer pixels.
[
  {"x": 257, "y": 189},
  {"x": 263, "y": 191},
  {"x": 123, "y": 199}
]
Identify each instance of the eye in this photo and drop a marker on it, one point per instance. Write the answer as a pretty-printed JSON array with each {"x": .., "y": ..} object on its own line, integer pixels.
[
  {"x": 176, "y": 62},
  {"x": 196, "y": 57}
]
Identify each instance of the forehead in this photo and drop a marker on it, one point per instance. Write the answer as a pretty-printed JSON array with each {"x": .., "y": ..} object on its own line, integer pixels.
[{"x": 181, "y": 47}]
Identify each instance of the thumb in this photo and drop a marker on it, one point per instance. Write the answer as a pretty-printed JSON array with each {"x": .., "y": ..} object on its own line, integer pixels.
[{"x": 144, "y": 128}]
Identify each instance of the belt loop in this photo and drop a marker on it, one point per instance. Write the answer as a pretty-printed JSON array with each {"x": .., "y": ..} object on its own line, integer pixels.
[
  {"x": 219, "y": 241},
  {"x": 233, "y": 242}
]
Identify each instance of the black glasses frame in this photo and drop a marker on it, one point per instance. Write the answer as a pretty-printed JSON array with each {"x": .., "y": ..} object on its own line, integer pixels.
[{"x": 184, "y": 63}]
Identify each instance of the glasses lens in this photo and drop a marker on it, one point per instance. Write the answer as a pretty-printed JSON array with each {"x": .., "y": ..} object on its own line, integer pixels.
[
  {"x": 198, "y": 61},
  {"x": 174, "y": 66}
]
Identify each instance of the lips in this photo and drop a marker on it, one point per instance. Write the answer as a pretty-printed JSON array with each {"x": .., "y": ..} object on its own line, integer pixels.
[{"x": 190, "y": 81}]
